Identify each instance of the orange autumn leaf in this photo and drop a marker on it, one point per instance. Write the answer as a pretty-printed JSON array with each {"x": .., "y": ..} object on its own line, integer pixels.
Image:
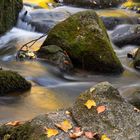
[
  {"x": 101, "y": 109},
  {"x": 51, "y": 132},
  {"x": 104, "y": 137},
  {"x": 76, "y": 133},
  {"x": 14, "y": 123},
  {"x": 90, "y": 103},
  {"x": 65, "y": 125}
]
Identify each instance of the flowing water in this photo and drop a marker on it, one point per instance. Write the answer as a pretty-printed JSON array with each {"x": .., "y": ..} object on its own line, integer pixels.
[{"x": 52, "y": 89}]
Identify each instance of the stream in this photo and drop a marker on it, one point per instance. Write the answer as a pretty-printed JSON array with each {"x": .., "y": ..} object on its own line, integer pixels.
[{"x": 52, "y": 89}]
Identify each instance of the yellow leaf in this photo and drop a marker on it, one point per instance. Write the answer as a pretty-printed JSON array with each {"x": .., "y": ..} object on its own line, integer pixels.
[
  {"x": 14, "y": 123},
  {"x": 65, "y": 125},
  {"x": 90, "y": 103},
  {"x": 104, "y": 137},
  {"x": 51, "y": 132}
]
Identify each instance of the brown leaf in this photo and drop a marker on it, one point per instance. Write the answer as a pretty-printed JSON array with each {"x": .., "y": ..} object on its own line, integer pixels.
[
  {"x": 101, "y": 109},
  {"x": 136, "y": 109},
  {"x": 90, "y": 135},
  {"x": 65, "y": 125},
  {"x": 90, "y": 103},
  {"x": 76, "y": 133},
  {"x": 51, "y": 132},
  {"x": 14, "y": 123}
]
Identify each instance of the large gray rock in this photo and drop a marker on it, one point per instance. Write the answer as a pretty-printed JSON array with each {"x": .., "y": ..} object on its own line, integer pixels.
[
  {"x": 126, "y": 34},
  {"x": 84, "y": 37},
  {"x": 9, "y": 12},
  {"x": 119, "y": 121}
]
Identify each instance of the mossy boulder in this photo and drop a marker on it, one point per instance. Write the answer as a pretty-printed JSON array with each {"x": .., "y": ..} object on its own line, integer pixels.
[
  {"x": 12, "y": 82},
  {"x": 84, "y": 37},
  {"x": 9, "y": 13},
  {"x": 95, "y": 3},
  {"x": 119, "y": 120}
]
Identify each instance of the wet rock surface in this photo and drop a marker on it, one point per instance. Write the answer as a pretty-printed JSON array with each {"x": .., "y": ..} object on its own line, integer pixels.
[
  {"x": 119, "y": 121},
  {"x": 126, "y": 34},
  {"x": 55, "y": 55}
]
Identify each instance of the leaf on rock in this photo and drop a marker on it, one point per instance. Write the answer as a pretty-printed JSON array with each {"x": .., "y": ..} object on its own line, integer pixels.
[
  {"x": 104, "y": 137},
  {"x": 136, "y": 109},
  {"x": 92, "y": 89},
  {"x": 65, "y": 125},
  {"x": 101, "y": 109},
  {"x": 90, "y": 103},
  {"x": 76, "y": 133},
  {"x": 14, "y": 123},
  {"x": 51, "y": 132},
  {"x": 90, "y": 135}
]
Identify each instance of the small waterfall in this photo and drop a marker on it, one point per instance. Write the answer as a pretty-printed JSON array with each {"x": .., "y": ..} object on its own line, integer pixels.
[{"x": 24, "y": 19}]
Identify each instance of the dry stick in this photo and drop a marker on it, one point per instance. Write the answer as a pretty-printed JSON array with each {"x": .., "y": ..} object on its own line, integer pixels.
[{"x": 32, "y": 41}]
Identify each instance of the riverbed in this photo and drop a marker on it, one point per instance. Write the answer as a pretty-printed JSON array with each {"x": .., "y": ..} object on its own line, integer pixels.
[{"x": 52, "y": 89}]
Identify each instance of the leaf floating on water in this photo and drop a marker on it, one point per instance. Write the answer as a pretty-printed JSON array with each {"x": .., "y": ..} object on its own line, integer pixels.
[
  {"x": 90, "y": 135},
  {"x": 90, "y": 103},
  {"x": 51, "y": 132},
  {"x": 14, "y": 123},
  {"x": 65, "y": 125},
  {"x": 101, "y": 109},
  {"x": 76, "y": 133},
  {"x": 104, "y": 137}
]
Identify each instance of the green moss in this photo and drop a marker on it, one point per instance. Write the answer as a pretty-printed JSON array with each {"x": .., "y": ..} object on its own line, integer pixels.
[
  {"x": 11, "y": 82},
  {"x": 85, "y": 39},
  {"x": 9, "y": 10}
]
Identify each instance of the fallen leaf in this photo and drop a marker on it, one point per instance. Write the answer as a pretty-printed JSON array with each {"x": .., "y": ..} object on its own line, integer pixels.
[
  {"x": 90, "y": 103},
  {"x": 101, "y": 109},
  {"x": 51, "y": 132},
  {"x": 92, "y": 89},
  {"x": 76, "y": 133},
  {"x": 66, "y": 62},
  {"x": 14, "y": 123},
  {"x": 90, "y": 135},
  {"x": 65, "y": 125},
  {"x": 68, "y": 113},
  {"x": 136, "y": 109},
  {"x": 104, "y": 137}
]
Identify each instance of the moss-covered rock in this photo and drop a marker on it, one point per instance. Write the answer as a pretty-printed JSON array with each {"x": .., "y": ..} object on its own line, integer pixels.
[
  {"x": 119, "y": 120},
  {"x": 9, "y": 10},
  {"x": 94, "y": 3},
  {"x": 84, "y": 37},
  {"x": 11, "y": 82}
]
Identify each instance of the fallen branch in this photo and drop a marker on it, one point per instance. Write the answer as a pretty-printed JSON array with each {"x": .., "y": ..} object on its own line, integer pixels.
[{"x": 28, "y": 45}]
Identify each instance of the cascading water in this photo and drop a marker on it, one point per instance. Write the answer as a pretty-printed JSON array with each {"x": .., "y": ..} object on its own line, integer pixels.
[{"x": 52, "y": 89}]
